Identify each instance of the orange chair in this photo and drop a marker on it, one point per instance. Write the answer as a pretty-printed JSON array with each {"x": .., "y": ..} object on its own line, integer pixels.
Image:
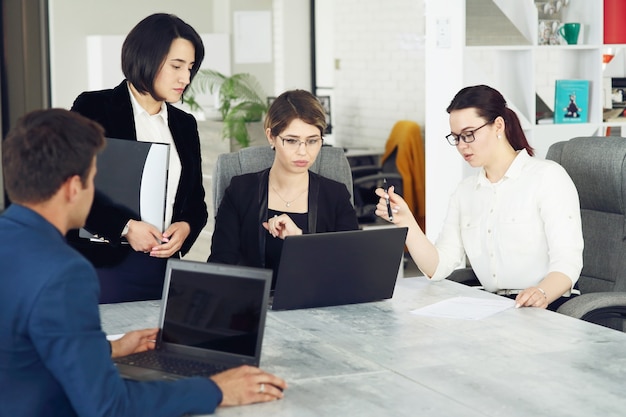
[{"x": 406, "y": 142}]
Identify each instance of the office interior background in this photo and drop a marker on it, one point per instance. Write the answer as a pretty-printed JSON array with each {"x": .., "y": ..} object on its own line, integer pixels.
[
  {"x": 369, "y": 56},
  {"x": 379, "y": 62}
]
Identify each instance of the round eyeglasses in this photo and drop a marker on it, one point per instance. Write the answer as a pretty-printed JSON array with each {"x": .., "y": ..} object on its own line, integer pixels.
[{"x": 467, "y": 137}]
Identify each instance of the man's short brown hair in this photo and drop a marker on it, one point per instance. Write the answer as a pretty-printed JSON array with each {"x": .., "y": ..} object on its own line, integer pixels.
[{"x": 44, "y": 149}]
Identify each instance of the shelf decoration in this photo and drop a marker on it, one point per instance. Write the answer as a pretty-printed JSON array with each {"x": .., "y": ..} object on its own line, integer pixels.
[
  {"x": 549, "y": 14},
  {"x": 571, "y": 101},
  {"x": 607, "y": 56}
]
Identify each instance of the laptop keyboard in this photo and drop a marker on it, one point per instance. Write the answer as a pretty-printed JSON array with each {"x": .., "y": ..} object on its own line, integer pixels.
[{"x": 153, "y": 359}]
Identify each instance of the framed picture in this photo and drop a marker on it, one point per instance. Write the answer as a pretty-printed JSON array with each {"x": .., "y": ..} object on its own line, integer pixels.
[
  {"x": 325, "y": 100},
  {"x": 618, "y": 97},
  {"x": 618, "y": 92}
]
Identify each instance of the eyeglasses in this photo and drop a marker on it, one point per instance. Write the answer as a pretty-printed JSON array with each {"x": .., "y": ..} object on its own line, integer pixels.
[
  {"x": 294, "y": 144},
  {"x": 467, "y": 137}
]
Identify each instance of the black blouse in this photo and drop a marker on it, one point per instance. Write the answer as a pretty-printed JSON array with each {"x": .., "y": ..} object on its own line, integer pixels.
[{"x": 274, "y": 246}]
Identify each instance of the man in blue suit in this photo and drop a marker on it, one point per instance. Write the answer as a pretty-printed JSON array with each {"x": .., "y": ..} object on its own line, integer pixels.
[{"x": 54, "y": 357}]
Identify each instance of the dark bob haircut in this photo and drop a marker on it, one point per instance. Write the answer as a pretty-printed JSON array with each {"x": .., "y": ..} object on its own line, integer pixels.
[{"x": 147, "y": 46}]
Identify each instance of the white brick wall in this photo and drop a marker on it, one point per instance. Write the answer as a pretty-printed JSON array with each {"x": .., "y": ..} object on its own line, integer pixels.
[{"x": 380, "y": 48}]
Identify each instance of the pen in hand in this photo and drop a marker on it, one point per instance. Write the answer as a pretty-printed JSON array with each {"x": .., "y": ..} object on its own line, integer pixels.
[{"x": 389, "y": 212}]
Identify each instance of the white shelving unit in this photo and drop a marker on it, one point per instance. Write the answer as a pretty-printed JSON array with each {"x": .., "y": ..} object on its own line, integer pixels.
[
  {"x": 523, "y": 70},
  {"x": 496, "y": 42}
]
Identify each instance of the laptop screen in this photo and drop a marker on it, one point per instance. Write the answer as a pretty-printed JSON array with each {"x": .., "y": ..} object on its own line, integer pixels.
[{"x": 215, "y": 307}]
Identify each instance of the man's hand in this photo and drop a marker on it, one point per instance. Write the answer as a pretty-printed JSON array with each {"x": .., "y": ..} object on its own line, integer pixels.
[
  {"x": 134, "y": 342},
  {"x": 247, "y": 385}
]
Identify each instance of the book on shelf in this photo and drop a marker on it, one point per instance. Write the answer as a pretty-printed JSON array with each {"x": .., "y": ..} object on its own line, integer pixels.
[{"x": 571, "y": 101}]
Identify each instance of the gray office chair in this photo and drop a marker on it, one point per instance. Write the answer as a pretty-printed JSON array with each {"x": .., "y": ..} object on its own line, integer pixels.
[
  {"x": 597, "y": 165},
  {"x": 330, "y": 163}
]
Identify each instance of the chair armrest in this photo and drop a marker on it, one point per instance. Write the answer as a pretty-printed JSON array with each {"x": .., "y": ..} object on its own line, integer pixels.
[
  {"x": 464, "y": 276},
  {"x": 391, "y": 177},
  {"x": 595, "y": 305},
  {"x": 363, "y": 170}
]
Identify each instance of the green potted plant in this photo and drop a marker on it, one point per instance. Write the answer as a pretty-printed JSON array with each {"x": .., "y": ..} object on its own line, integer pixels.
[{"x": 241, "y": 100}]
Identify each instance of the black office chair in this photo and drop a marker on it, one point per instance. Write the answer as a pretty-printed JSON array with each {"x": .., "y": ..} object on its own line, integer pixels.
[
  {"x": 403, "y": 166},
  {"x": 465, "y": 276},
  {"x": 365, "y": 180}
]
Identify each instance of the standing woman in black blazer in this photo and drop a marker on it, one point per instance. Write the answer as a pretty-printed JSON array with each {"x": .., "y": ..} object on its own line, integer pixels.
[{"x": 160, "y": 57}]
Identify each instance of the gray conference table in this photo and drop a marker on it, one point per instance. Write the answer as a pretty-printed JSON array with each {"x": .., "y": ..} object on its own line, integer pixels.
[{"x": 378, "y": 359}]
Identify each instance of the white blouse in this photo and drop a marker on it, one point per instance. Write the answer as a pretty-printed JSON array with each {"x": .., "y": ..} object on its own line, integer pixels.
[
  {"x": 517, "y": 230},
  {"x": 154, "y": 128}
]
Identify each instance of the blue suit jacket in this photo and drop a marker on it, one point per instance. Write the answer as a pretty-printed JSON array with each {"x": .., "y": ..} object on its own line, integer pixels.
[{"x": 54, "y": 358}]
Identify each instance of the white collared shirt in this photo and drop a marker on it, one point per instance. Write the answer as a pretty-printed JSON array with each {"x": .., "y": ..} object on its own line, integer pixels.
[
  {"x": 517, "y": 230},
  {"x": 154, "y": 128}
]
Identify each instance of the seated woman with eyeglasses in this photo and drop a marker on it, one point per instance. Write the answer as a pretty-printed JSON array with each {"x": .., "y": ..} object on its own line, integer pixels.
[
  {"x": 259, "y": 210},
  {"x": 517, "y": 220}
]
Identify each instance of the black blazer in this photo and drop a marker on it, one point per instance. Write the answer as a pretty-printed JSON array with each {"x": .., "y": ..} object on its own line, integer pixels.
[
  {"x": 239, "y": 236},
  {"x": 113, "y": 110}
]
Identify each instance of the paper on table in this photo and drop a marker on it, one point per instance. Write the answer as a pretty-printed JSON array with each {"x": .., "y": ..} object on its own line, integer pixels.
[{"x": 467, "y": 308}]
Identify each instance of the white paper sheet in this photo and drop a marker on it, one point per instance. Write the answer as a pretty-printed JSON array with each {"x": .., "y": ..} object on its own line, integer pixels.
[{"x": 466, "y": 308}]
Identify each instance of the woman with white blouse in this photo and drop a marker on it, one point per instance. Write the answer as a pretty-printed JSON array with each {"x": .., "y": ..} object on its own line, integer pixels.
[{"x": 517, "y": 220}]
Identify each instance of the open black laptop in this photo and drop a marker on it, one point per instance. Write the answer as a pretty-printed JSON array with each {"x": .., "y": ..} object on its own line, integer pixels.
[
  {"x": 212, "y": 318},
  {"x": 326, "y": 269}
]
